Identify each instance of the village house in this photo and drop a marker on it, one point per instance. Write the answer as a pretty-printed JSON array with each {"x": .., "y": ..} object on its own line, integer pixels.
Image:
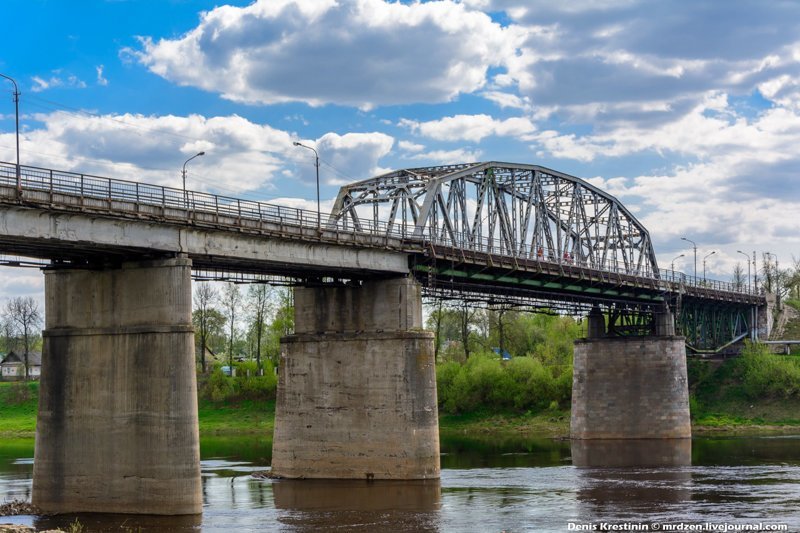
[{"x": 12, "y": 366}]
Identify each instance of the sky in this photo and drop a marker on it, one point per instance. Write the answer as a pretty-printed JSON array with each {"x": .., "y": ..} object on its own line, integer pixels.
[{"x": 687, "y": 112}]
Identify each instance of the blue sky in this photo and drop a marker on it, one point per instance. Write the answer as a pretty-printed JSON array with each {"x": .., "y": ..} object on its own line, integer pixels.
[{"x": 688, "y": 112}]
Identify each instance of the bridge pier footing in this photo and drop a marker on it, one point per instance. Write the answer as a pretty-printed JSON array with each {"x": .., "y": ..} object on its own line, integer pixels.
[
  {"x": 357, "y": 386},
  {"x": 117, "y": 428},
  {"x": 631, "y": 387}
]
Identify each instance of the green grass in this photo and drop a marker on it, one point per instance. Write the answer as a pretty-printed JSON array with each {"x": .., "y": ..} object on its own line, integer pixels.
[
  {"x": 246, "y": 416},
  {"x": 549, "y": 423},
  {"x": 18, "y": 404}
]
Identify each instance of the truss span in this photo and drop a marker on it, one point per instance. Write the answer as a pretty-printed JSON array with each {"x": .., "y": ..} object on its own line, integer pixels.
[{"x": 510, "y": 209}]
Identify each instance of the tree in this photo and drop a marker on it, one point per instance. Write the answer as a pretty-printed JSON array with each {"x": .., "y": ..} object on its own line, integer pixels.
[
  {"x": 23, "y": 313},
  {"x": 466, "y": 320},
  {"x": 204, "y": 297},
  {"x": 259, "y": 296},
  {"x": 231, "y": 300},
  {"x": 738, "y": 279},
  {"x": 282, "y": 324}
]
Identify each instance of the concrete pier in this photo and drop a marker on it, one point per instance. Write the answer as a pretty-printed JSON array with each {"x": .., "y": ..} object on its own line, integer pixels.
[
  {"x": 117, "y": 429},
  {"x": 357, "y": 386},
  {"x": 631, "y": 387}
]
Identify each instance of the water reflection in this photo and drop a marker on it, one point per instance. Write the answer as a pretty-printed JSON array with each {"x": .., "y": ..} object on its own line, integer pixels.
[
  {"x": 488, "y": 484},
  {"x": 358, "y": 505},
  {"x": 630, "y": 479},
  {"x": 119, "y": 522},
  {"x": 631, "y": 453}
]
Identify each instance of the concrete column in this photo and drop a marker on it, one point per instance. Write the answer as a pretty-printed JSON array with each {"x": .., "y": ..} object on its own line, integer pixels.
[
  {"x": 630, "y": 388},
  {"x": 596, "y": 324},
  {"x": 117, "y": 429},
  {"x": 357, "y": 386},
  {"x": 664, "y": 323}
]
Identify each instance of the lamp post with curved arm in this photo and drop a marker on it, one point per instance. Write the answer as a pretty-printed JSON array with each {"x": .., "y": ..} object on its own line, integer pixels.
[
  {"x": 316, "y": 164},
  {"x": 747, "y": 257},
  {"x": 704, "y": 264},
  {"x": 694, "y": 245},
  {"x": 16, "y": 116},
  {"x": 183, "y": 174},
  {"x": 672, "y": 264}
]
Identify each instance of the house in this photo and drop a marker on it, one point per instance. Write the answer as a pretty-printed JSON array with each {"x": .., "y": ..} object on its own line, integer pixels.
[{"x": 12, "y": 366}]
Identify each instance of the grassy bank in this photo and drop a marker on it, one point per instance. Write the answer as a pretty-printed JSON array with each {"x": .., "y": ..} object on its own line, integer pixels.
[{"x": 758, "y": 393}]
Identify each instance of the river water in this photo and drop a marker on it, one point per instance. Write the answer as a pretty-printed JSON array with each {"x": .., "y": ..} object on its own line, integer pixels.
[{"x": 490, "y": 484}]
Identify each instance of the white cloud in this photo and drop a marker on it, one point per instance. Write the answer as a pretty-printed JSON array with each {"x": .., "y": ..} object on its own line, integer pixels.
[
  {"x": 101, "y": 80},
  {"x": 408, "y": 146},
  {"x": 360, "y": 53},
  {"x": 56, "y": 80},
  {"x": 470, "y": 127},
  {"x": 449, "y": 157},
  {"x": 354, "y": 156},
  {"x": 241, "y": 156}
]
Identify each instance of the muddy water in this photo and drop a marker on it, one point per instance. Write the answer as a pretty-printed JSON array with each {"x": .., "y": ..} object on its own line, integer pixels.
[{"x": 492, "y": 484}]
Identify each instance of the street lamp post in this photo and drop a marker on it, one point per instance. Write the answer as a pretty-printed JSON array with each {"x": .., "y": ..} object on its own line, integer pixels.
[
  {"x": 704, "y": 264},
  {"x": 694, "y": 245},
  {"x": 316, "y": 164},
  {"x": 747, "y": 257},
  {"x": 183, "y": 174},
  {"x": 672, "y": 265},
  {"x": 16, "y": 116}
]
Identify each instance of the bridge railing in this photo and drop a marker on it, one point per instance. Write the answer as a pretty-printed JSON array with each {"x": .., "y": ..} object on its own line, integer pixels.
[
  {"x": 119, "y": 194},
  {"x": 75, "y": 189},
  {"x": 680, "y": 278}
]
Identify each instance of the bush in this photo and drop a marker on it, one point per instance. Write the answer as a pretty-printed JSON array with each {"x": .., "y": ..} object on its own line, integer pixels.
[
  {"x": 764, "y": 374},
  {"x": 522, "y": 384},
  {"x": 221, "y": 388}
]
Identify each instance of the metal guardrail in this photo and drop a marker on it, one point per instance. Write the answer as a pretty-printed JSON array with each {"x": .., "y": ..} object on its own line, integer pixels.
[{"x": 125, "y": 196}]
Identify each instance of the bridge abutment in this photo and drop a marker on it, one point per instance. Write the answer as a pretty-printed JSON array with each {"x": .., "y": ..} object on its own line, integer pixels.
[
  {"x": 357, "y": 386},
  {"x": 631, "y": 387},
  {"x": 117, "y": 428}
]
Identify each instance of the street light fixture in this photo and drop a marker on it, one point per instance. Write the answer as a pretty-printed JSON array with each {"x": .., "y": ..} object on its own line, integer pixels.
[
  {"x": 16, "y": 115},
  {"x": 672, "y": 267},
  {"x": 183, "y": 174},
  {"x": 704, "y": 264},
  {"x": 316, "y": 164},
  {"x": 748, "y": 267},
  {"x": 694, "y": 245}
]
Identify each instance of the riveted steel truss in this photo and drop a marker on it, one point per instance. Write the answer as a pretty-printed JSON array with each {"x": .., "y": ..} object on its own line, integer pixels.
[
  {"x": 709, "y": 328},
  {"x": 518, "y": 210}
]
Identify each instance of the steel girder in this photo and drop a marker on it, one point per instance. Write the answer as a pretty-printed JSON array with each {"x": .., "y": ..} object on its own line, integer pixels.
[
  {"x": 511, "y": 209},
  {"x": 710, "y": 327}
]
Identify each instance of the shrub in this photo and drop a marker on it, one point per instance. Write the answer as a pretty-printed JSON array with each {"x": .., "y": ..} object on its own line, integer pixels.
[{"x": 765, "y": 374}]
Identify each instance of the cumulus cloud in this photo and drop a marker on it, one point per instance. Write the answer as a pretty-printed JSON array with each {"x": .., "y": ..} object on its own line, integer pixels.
[
  {"x": 57, "y": 79},
  {"x": 360, "y": 53},
  {"x": 241, "y": 155},
  {"x": 470, "y": 127}
]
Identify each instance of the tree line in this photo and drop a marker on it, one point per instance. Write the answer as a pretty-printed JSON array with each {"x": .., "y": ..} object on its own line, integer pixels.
[
  {"x": 20, "y": 328},
  {"x": 234, "y": 325}
]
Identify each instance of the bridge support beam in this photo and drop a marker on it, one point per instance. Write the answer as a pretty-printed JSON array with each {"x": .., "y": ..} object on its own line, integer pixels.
[
  {"x": 631, "y": 387},
  {"x": 117, "y": 428},
  {"x": 357, "y": 386}
]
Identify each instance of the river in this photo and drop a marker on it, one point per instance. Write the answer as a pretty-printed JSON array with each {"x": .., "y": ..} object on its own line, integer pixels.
[{"x": 488, "y": 484}]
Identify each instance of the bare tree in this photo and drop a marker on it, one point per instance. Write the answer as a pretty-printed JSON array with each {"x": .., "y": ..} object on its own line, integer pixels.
[
  {"x": 259, "y": 296},
  {"x": 204, "y": 297},
  {"x": 739, "y": 280},
  {"x": 23, "y": 313},
  {"x": 231, "y": 300},
  {"x": 467, "y": 318}
]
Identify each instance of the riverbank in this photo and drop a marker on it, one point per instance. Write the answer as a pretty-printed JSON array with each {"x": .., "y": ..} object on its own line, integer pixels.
[
  {"x": 716, "y": 412},
  {"x": 725, "y": 417}
]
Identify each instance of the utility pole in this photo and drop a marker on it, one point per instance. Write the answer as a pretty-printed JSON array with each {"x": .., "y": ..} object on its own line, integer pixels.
[{"x": 16, "y": 116}]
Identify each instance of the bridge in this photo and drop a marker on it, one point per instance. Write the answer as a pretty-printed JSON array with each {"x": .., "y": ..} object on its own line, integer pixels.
[{"x": 357, "y": 388}]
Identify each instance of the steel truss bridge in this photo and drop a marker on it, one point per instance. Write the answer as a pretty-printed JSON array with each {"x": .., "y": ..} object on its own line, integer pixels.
[{"x": 494, "y": 234}]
